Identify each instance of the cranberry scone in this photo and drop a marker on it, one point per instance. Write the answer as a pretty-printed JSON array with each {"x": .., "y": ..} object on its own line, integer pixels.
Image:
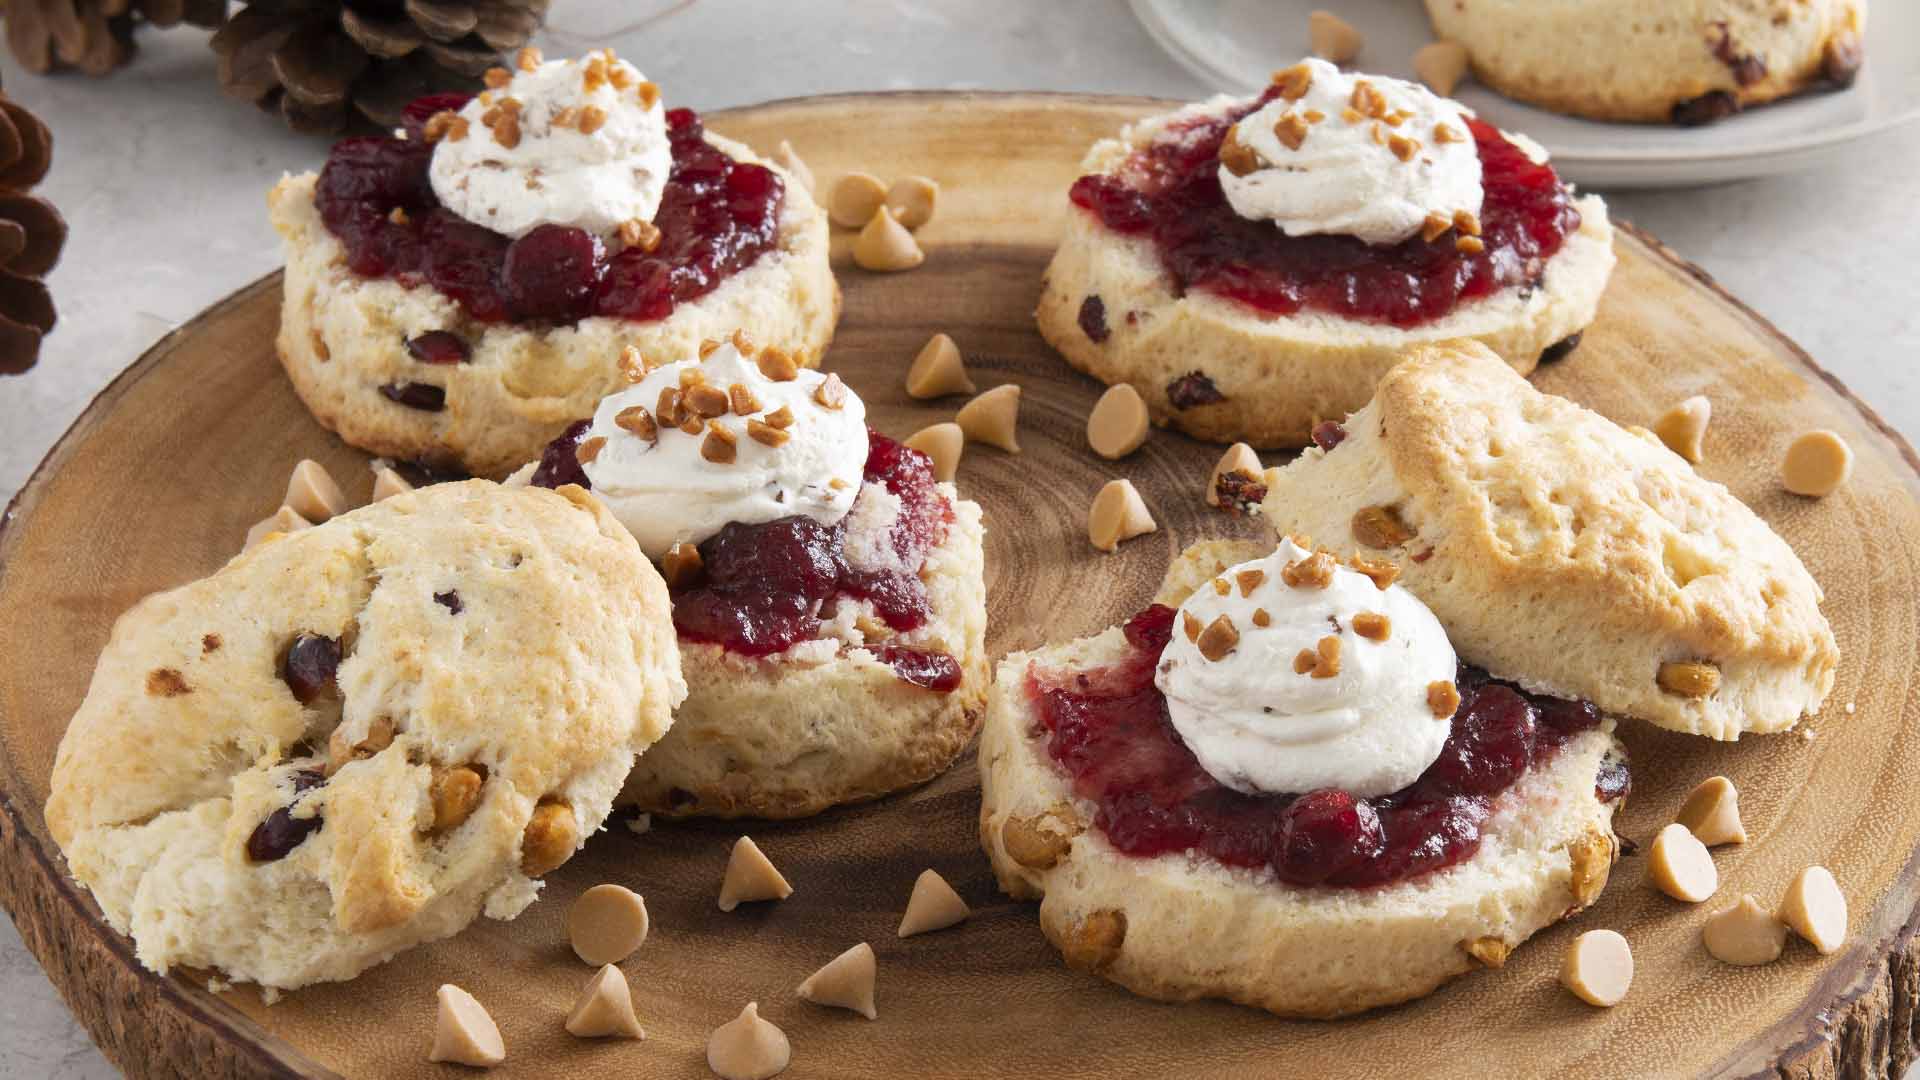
[
  {"x": 1591, "y": 561},
  {"x": 355, "y": 738},
  {"x": 458, "y": 292},
  {"x": 1281, "y": 786},
  {"x": 1652, "y": 61},
  {"x": 829, "y": 594},
  {"x": 1253, "y": 266}
]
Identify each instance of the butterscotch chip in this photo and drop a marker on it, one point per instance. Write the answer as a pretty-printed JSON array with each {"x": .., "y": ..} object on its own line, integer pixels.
[
  {"x": 1403, "y": 147},
  {"x": 637, "y": 421},
  {"x": 589, "y": 450},
  {"x": 993, "y": 418},
  {"x": 1095, "y": 942},
  {"x": 1291, "y": 129},
  {"x": 633, "y": 365},
  {"x": 721, "y": 446},
  {"x": 1692, "y": 679},
  {"x": 748, "y": 1048},
  {"x": 604, "y": 1008},
  {"x": 1680, "y": 866},
  {"x": 1816, "y": 464},
  {"x": 786, "y": 158},
  {"x": 644, "y": 235},
  {"x": 607, "y": 924},
  {"x": 1261, "y": 618},
  {"x": 1380, "y": 527},
  {"x": 1816, "y": 909},
  {"x": 742, "y": 342},
  {"x": 666, "y": 407},
  {"x": 943, "y": 443},
  {"x": 1327, "y": 657},
  {"x": 750, "y": 876},
  {"x": 1441, "y": 65},
  {"x": 1039, "y": 842},
  {"x": 933, "y": 906},
  {"x": 855, "y": 198},
  {"x": 1192, "y": 624},
  {"x": 885, "y": 245},
  {"x": 781, "y": 418},
  {"x": 709, "y": 347},
  {"x": 527, "y": 59},
  {"x": 1118, "y": 424},
  {"x": 1237, "y": 157},
  {"x": 1490, "y": 951},
  {"x": 1372, "y": 625},
  {"x": 1305, "y": 661},
  {"x": 1443, "y": 698},
  {"x": 778, "y": 365},
  {"x": 938, "y": 370},
  {"x": 1745, "y": 934},
  {"x": 1118, "y": 513},
  {"x": 681, "y": 566},
  {"x": 911, "y": 200},
  {"x": 1368, "y": 99},
  {"x": 1435, "y": 227},
  {"x": 706, "y": 401},
  {"x": 766, "y": 434},
  {"x": 454, "y": 792},
  {"x": 1333, "y": 37},
  {"x": 1294, "y": 82},
  {"x": 1598, "y": 968},
  {"x": 1471, "y": 245},
  {"x": 552, "y": 836},
  {"x": 1221, "y": 587},
  {"x": 1249, "y": 580},
  {"x": 1219, "y": 639},
  {"x": 312, "y": 494},
  {"x": 1313, "y": 572},
  {"x": 283, "y": 520},
  {"x": 592, "y": 118},
  {"x": 387, "y": 483},
  {"x": 1712, "y": 813},
  {"x": 1466, "y": 222},
  {"x": 844, "y": 982},
  {"x": 743, "y": 400},
  {"x": 1446, "y": 133},
  {"x": 1382, "y": 572},
  {"x": 497, "y": 78},
  {"x": 831, "y": 393},
  {"x": 1683, "y": 428},
  {"x": 463, "y": 1033},
  {"x": 1239, "y": 459}
]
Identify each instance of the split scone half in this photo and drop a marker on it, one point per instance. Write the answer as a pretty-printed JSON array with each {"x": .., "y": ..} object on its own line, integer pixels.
[
  {"x": 1577, "y": 557},
  {"x": 1644, "y": 60},
  {"x": 355, "y": 738},
  {"x": 1255, "y": 328},
  {"x": 408, "y": 330}
]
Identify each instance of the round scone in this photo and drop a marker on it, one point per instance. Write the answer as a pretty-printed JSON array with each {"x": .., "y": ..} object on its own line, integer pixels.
[
  {"x": 354, "y": 738},
  {"x": 1233, "y": 330},
  {"x": 416, "y": 334},
  {"x": 1565, "y": 552},
  {"x": 1646, "y": 60},
  {"x": 1181, "y": 924}
]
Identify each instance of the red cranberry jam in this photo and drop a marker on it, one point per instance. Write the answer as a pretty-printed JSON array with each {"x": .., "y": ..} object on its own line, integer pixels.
[
  {"x": 717, "y": 217},
  {"x": 762, "y": 587},
  {"x": 1108, "y": 729},
  {"x": 1169, "y": 191}
]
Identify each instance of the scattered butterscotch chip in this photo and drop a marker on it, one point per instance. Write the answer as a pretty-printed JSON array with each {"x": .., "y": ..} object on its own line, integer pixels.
[
  {"x": 387, "y": 483},
  {"x": 1372, "y": 625},
  {"x": 1380, "y": 527},
  {"x": 527, "y": 59},
  {"x": 644, "y": 235},
  {"x": 785, "y": 157},
  {"x": 781, "y": 418},
  {"x": 1447, "y": 133},
  {"x": 1191, "y": 623},
  {"x": 589, "y": 449},
  {"x": 604, "y": 1008},
  {"x": 1688, "y": 678},
  {"x": 454, "y": 793},
  {"x": 778, "y": 365},
  {"x": 1443, "y": 698},
  {"x": 1745, "y": 934},
  {"x": 1598, "y": 968},
  {"x": 497, "y": 78},
  {"x": 1118, "y": 513},
  {"x": 831, "y": 393},
  {"x": 1678, "y": 864},
  {"x": 1403, "y": 147},
  {"x": 943, "y": 443},
  {"x": 607, "y": 924},
  {"x": 551, "y": 837},
  {"x": 648, "y": 92},
  {"x": 1489, "y": 951},
  {"x": 1333, "y": 37},
  {"x": 750, "y": 876},
  {"x": 1382, "y": 572},
  {"x": 1466, "y": 222},
  {"x": 911, "y": 200},
  {"x": 844, "y": 982},
  {"x": 1368, "y": 99},
  {"x": 705, "y": 400},
  {"x": 1219, "y": 639},
  {"x": 933, "y": 906},
  {"x": 1118, "y": 424},
  {"x": 766, "y": 434},
  {"x": 855, "y": 198},
  {"x": 1683, "y": 428},
  {"x": 748, "y": 1048},
  {"x": 1435, "y": 227},
  {"x": 666, "y": 407},
  {"x": 1261, "y": 618},
  {"x": 1240, "y": 459},
  {"x": 993, "y": 418},
  {"x": 721, "y": 446},
  {"x": 1327, "y": 657},
  {"x": 1238, "y": 158},
  {"x": 1313, "y": 572},
  {"x": 1816, "y": 909},
  {"x": 1291, "y": 129},
  {"x": 633, "y": 365},
  {"x": 1294, "y": 82},
  {"x": 312, "y": 494},
  {"x": 681, "y": 565},
  {"x": 638, "y": 422},
  {"x": 690, "y": 378},
  {"x": 463, "y": 1033},
  {"x": 938, "y": 370},
  {"x": 1220, "y": 586},
  {"x": 1469, "y": 245},
  {"x": 1712, "y": 813},
  {"x": 1305, "y": 661},
  {"x": 885, "y": 245},
  {"x": 743, "y": 400},
  {"x": 1816, "y": 464},
  {"x": 283, "y": 520},
  {"x": 399, "y": 216},
  {"x": 1249, "y": 580}
]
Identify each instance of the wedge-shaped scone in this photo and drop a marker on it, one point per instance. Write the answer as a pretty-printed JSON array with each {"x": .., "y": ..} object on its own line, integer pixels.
[
  {"x": 234, "y": 803},
  {"x": 1565, "y": 553}
]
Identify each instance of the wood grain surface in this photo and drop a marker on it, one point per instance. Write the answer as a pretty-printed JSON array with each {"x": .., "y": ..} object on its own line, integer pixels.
[{"x": 158, "y": 481}]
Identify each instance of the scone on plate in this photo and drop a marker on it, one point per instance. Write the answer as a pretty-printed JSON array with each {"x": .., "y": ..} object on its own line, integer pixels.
[
  {"x": 1254, "y": 266},
  {"x": 1282, "y": 786},
  {"x": 1652, "y": 61},
  {"x": 1565, "y": 552},
  {"x": 829, "y": 594},
  {"x": 354, "y": 738},
  {"x": 461, "y": 291}
]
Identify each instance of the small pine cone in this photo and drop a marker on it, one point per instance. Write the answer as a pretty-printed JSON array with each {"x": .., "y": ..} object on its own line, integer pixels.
[
  {"x": 94, "y": 36},
  {"x": 31, "y": 235}
]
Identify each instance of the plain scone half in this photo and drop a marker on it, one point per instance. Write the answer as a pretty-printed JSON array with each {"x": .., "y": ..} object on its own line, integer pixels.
[
  {"x": 1565, "y": 553},
  {"x": 503, "y": 656}
]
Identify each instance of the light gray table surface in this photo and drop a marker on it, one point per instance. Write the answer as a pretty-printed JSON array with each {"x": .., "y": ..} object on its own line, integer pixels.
[{"x": 163, "y": 182}]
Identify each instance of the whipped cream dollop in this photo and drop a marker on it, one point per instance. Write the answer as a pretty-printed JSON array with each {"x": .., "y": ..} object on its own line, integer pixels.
[
  {"x": 1260, "y": 725},
  {"x": 581, "y": 143},
  {"x": 669, "y": 488},
  {"x": 1351, "y": 154}
]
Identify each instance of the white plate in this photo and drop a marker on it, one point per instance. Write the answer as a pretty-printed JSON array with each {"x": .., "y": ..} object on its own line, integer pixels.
[{"x": 1236, "y": 45}]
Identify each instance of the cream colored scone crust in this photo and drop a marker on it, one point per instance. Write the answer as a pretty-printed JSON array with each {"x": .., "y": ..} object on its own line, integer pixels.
[
  {"x": 826, "y": 722},
  {"x": 560, "y": 666},
  {"x": 1279, "y": 375},
  {"x": 1178, "y": 927},
  {"x": 343, "y": 336},
  {"x": 1566, "y": 553},
  {"x": 1637, "y": 60}
]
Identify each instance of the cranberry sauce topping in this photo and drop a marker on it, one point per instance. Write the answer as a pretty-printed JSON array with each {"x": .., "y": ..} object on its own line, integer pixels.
[
  {"x": 716, "y": 218},
  {"x": 1108, "y": 729},
  {"x": 1170, "y": 191},
  {"x": 281, "y": 832}
]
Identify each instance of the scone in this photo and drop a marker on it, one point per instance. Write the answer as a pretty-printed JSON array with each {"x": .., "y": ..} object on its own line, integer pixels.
[
  {"x": 354, "y": 738},
  {"x": 1652, "y": 61},
  {"x": 1203, "y": 813},
  {"x": 1567, "y": 553},
  {"x": 1253, "y": 266},
  {"x": 830, "y": 596},
  {"x": 460, "y": 292}
]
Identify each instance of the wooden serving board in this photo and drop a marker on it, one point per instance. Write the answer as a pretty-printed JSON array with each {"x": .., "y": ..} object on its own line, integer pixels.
[{"x": 159, "y": 479}]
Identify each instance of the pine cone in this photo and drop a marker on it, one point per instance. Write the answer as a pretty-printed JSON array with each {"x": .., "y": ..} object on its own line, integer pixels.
[
  {"x": 95, "y": 36},
  {"x": 31, "y": 235},
  {"x": 320, "y": 62}
]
